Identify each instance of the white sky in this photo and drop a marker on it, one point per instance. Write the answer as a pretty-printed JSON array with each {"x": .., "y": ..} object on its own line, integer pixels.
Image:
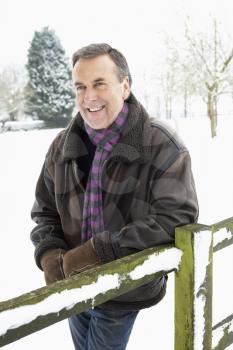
[{"x": 133, "y": 26}]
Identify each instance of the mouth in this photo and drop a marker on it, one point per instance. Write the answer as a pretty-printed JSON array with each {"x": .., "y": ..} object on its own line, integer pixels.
[{"x": 96, "y": 109}]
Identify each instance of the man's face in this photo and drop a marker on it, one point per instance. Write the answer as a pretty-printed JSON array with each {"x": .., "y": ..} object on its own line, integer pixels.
[{"x": 99, "y": 93}]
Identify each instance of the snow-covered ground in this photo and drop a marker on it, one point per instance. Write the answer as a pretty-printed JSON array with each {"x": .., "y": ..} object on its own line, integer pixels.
[{"x": 22, "y": 155}]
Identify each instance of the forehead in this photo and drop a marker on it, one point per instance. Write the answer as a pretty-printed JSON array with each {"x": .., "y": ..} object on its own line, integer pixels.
[{"x": 89, "y": 69}]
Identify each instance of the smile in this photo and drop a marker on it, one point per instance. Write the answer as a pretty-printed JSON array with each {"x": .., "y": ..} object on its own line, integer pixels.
[{"x": 97, "y": 109}]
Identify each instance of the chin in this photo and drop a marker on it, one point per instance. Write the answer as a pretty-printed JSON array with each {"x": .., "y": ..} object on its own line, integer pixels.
[{"x": 97, "y": 126}]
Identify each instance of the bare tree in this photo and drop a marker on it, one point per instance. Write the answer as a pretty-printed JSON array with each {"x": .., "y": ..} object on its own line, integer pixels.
[
  {"x": 169, "y": 76},
  {"x": 177, "y": 77},
  {"x": 12, "y": 82},
  {"x": 212, "y": 59}
]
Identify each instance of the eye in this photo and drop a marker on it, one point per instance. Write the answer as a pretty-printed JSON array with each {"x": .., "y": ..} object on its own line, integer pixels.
[
  {"x": 100, "y": 84},
  {"x": 80, "y": 87}
]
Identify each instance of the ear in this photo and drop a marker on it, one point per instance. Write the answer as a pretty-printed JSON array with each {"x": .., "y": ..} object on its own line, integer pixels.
[{"x": 126, "y": 88}]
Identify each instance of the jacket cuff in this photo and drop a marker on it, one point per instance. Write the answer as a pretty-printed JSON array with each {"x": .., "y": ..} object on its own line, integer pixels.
[
  {"x": 46, "y": 245},
  {"x": 106, "y": 248}
]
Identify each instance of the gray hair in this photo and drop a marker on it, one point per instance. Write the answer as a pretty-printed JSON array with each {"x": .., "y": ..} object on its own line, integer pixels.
[{"x": 94, "y": 50}]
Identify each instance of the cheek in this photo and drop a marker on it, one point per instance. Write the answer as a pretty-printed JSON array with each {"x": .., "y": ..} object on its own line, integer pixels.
[{"x": 78, "y": 99}]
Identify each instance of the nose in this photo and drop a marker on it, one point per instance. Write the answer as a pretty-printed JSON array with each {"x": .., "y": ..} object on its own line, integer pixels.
[{"x": 90, "y": 94}]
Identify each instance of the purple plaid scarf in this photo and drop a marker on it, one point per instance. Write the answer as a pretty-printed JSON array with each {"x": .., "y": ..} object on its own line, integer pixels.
[{"x": 105, "y": 140}]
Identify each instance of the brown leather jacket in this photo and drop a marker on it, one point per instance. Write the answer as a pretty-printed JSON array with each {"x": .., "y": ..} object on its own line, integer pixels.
[{"x": 148, "y": 190}]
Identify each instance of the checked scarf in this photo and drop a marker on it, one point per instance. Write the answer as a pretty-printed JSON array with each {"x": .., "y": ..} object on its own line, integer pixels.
[{"x": 105, "y": 140}]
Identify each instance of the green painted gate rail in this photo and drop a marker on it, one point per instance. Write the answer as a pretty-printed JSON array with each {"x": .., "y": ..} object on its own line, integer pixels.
[
  {"x": 190, "y": 257},
  {"x": 193, "y": 287}
]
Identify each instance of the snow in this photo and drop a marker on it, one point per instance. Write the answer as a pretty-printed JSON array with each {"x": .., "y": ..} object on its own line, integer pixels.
[
  {"x": 221, "y": 235},
  {"x": 13, "y": 318},
  {"x": 219, "y": 333},
  {"x": 22, "y": 154},
  {"x": 223, "y": 289},
  {"x": 165, "y": 261},
  {"x": 202, "y": 244},
  {"x": 23, "y": 125},
  {"x": 56, "y": 302}
]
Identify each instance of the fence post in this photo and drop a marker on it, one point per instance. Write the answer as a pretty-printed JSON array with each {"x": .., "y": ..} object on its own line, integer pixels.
[{"x": 193, "y": 288}]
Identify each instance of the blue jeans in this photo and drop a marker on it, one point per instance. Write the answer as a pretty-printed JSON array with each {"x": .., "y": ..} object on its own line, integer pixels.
[{"x": 98, "y": 329}]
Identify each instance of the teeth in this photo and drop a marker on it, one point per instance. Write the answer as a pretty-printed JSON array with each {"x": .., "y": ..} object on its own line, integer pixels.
[{"x": 95, "y": 109}]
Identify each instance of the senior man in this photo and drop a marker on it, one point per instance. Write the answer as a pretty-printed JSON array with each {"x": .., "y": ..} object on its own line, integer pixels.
[{"x": 113, "y": 183}]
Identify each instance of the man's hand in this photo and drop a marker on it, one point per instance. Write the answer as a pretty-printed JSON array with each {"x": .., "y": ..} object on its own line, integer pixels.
[
  {"x": 80, "y": 259},
  {"x": 51, "y": 263}
]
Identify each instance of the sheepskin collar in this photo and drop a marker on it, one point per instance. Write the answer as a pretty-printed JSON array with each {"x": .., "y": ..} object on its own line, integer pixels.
[{"x": 134, "y": 144}]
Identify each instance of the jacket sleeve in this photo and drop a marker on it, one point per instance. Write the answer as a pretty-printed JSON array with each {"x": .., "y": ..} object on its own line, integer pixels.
[
  {"x": 173, "y": 203},
  {"x": 48, "y": 233}
]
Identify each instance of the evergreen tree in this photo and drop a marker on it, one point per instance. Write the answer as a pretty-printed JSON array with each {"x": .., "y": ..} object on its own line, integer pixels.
[{"x": 49, "y": 93}]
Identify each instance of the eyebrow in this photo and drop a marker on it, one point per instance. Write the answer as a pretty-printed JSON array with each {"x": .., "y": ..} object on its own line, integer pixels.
[{"x": 98, "y": 80}]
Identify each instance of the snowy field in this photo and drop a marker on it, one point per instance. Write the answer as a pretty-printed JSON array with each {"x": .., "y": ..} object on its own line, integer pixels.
[{"x": 22, "y": 155}]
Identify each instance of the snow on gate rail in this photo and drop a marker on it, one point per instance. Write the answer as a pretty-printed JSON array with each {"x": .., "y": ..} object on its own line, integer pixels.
[{"x": 38, "y": 309}]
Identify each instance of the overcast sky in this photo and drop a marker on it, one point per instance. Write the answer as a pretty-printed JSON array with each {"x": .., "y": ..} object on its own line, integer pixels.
[{"x": 135, "y": 27}]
